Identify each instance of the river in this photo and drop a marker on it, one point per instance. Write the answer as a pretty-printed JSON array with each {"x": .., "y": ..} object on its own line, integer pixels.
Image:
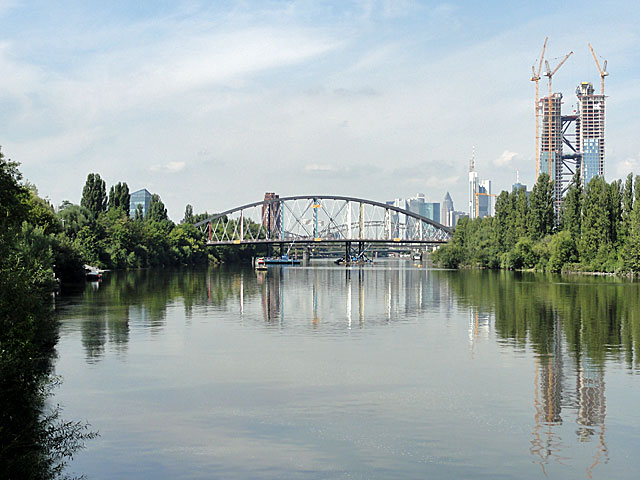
[{"x": 384, "y": 371}]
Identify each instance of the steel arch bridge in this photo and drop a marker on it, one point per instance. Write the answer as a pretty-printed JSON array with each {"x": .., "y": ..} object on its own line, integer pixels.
[{"x": 321, "y": 218}]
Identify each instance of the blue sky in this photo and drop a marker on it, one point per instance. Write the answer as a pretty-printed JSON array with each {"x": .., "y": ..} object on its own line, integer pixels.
[{"x": 214, "y": 103}]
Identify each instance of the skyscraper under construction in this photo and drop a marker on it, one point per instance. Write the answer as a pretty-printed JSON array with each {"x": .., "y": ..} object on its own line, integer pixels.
[
  {"x": 590, "y": 131},
  {"x": 561, "y": 152},
  {"x": 551, "y": 161},
  {"x": 585, "y": 151}
]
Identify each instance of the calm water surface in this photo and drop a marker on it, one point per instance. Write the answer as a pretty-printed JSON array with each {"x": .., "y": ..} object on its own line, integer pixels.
[{"x": 385, "y": 371}]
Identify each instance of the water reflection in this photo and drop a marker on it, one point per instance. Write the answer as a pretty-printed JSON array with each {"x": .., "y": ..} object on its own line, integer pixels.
[
  {"x": 584, "y": 318},
  {"x": 570, "y": 329},
  {"x": 574, "y": 327}
]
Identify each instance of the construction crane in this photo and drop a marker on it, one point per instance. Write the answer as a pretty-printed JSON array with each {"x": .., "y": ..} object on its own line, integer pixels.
[
  {"x": 603, "y": 70},
  {"x": 550, "y": 75},
  {"x": 536, "y": 78}
]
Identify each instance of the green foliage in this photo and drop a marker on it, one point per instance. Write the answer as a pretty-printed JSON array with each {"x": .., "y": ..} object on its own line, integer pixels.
[
  {"x": 73, "y": 218},
  {"x": 94, "y": 194},
  {"x": 119, "y": 197},
  {"x": 541, "y": 210},
  {"x": 596, "y": 224},
  {"x": 571, "y": 219},
  {"x": 41, "y": 214},
  {"x": 13, "y": 196},
  {"x": 34, "y": 441},
  {"x": 631, "y": 248},
  {"x": 562, "y": 251},
  {"x": 188, "y": 214},
  {"x": 157, "y": 211},
  {"x": 598, "y": 230}
]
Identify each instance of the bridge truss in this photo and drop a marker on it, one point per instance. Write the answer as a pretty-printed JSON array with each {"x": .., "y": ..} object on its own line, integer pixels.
[{"x": 321, "y": 218}]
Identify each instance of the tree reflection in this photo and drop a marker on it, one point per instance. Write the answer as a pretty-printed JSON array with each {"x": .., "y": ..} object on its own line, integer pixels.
[
  {"x": 573, "y": 326},
  {"x": 35, "y": 442}
]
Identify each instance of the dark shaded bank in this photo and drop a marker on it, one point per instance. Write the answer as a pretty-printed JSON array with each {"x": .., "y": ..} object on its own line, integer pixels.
[{"x": 35, "y": 443}]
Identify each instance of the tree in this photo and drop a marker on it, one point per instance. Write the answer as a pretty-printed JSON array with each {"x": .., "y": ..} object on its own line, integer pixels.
[
  {"x": 119, "y": 197},
  {"x": 157, "y": 210},
  {"x": 571, "y": 218},
  {"x": 188, "y": 214},
  {"x": 631, "y": 249},
  {"x": 541, "y": 211},
  {"x": 521, "y": 212},
  {"x": 563, "y": 250},
  {"x": 615, "y": 211},
  {"x": 13, "y": 196},
  {"x": 504, "y": 221},
  {"x": 41, "y": 214},
  {"x": 94, "y": 194},
  {"x": 139, "y": 214},
  {"x": 73, "y": 218},
  {"x": 595, "y": 228},
  {"x": 627, "y": 207}
]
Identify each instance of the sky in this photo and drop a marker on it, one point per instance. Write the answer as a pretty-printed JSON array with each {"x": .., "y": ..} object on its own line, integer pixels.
[{"x": 215, "y": 103}]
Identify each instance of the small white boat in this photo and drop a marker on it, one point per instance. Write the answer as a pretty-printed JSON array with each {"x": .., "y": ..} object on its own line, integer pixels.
[{"x": 92, "y": 274}]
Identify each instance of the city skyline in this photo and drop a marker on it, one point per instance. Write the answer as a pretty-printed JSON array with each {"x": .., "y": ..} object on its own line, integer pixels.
[{"x": 369, "y": 99}]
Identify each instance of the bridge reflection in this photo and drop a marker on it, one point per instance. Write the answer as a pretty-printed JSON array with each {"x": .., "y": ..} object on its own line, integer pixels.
[{"x": 346, "y": 298}]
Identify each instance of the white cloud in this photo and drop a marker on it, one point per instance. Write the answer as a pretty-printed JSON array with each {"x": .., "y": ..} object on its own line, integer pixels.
[
  {"x": 505, "y": 159},
  {"x": 629, "y": 165},
  {"x": 170, "y": 167},
  {"x": 315, "y": 167}
]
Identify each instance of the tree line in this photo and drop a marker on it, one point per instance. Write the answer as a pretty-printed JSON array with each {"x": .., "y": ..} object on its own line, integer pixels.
[
  {"x": 100, "y": 232},
  {"x": 597, "y": 230}
]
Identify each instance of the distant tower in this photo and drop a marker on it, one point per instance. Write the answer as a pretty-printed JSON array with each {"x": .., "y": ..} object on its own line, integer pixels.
[
  {"x": 518, "y": 185},
  {"x": 473, "y": 184},
  {"x": 590, "y": 131},
  {"x": 446, "y": 211}
]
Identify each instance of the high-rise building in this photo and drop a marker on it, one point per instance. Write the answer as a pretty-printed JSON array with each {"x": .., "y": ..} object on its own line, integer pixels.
[
  {"x": 445, "y": 210},
  {"x": 479, "y": 193},
  {"x": 518, "y": 185},
  {"x": 431, "y": 210},
  {"x": 142, "y": 198},
  {"x": 456, "y": 215},
  {"x": 590, "y": 131},
  {"x": 551, "y": 138},
  {"x": 416, "y": 204},
  {"x": 473, "y": 186},
  {"x": 484, "y": 199}
]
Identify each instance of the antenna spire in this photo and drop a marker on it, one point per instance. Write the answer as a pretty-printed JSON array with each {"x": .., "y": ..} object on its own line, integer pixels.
[{"x": 472, "y": 162}]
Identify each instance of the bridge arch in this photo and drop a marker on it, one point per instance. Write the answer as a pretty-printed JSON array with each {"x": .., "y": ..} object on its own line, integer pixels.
[{"x": 321, "y": 218}]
